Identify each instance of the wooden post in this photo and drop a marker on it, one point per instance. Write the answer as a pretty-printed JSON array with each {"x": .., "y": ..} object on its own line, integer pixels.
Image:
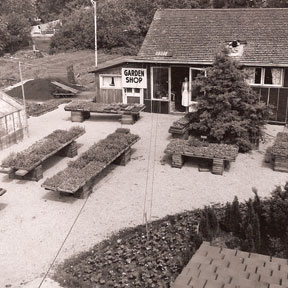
[{"x": 177, "y": 160}]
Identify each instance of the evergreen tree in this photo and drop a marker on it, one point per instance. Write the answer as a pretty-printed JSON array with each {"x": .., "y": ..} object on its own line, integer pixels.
[
  {"x": 253, "y": 221},
  {"x": 236, "y": 218},
  {"x": 228, "y": 110},
  {"x": 209, "y": 225},
  {"x": 227, "y": 217},
  {"x": 249, "y": 244}
]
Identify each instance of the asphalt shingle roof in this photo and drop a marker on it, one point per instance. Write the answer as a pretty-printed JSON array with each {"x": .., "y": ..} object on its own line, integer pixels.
[
  {"x": 196, "y": 35},
  {"x": 227, "y": 268}
]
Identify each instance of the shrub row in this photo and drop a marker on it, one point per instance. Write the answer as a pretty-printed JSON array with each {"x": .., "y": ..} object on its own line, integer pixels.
[
  {"x": 40, "y": 149},
  {"x": 91, "y": 162},
  {"x": 199, "y": 148}
]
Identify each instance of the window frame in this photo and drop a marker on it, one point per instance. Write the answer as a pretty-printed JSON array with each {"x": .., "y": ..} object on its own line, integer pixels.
[
  {"x": 261, "y": 84},
  {"x": 152, "y": 82},
  {"x": 101, "y": 76}
]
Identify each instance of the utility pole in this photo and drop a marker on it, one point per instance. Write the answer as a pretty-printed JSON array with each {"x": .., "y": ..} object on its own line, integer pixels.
[
  {"x": 94, "y": 3},
  {"x": 24, "y": 100}
]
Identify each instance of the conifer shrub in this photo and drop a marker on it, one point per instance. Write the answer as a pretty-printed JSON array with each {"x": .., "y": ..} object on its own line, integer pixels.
[{"x": 228, "y": 110}]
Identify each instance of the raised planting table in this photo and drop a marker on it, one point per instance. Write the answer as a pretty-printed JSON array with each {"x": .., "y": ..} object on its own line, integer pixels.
[
  {"x": 279, "y": 152},
  {"x": 27, "y": 165},
  {"x": 80, "y": 176},
  {"x": 220, "y": 154},
  {"x": 180, "y": 128},
  {"x": 80, "y": 110}
]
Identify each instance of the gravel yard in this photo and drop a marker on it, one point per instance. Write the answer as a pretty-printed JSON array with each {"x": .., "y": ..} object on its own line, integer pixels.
[{"x": 40, "y": 228}]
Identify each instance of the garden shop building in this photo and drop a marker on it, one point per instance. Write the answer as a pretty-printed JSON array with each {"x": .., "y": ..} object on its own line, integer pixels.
[
  {"x": 12, "y": 121},
  {"x": 181, "y": 43}
]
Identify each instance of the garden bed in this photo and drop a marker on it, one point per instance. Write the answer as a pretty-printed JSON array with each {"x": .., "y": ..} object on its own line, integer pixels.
[
  {"x": 279, "y": 152},
  {"x": 27, "y": 164},
  {"x": 78, "y": 178},
  {"x": 135, "y": 258},
  {"x": 194, "y": 148},
  {"x": 80, "y": 110},
  {"x": 38, "y": 109},
  {"x": 154, "y": 255}
]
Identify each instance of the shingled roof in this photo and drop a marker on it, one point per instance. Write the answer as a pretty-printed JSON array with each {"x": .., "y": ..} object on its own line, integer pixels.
[
  {"x": 216, "y": 267},
  {"x": 196, "y": 35}
]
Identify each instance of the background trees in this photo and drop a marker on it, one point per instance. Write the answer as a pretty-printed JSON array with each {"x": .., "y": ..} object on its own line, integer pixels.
[{"x": 122, "y": 24}]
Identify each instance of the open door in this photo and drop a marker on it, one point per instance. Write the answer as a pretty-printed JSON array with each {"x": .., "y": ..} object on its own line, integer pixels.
[{"x": 194, "y": 92}]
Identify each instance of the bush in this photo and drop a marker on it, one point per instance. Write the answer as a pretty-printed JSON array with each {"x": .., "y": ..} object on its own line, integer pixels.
[{"x": 229, "y": 110}]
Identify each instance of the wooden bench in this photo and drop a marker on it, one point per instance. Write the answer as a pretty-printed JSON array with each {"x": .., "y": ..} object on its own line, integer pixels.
[
  {"x": 127, "y": 116},
  {"x": 35, "y": 172},
  {"x": 218, "y": 163},
  {"x": 85, "y": 188}
]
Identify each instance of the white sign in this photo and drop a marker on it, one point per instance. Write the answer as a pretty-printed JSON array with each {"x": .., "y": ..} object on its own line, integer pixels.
[{"x": 134, "y": 78}]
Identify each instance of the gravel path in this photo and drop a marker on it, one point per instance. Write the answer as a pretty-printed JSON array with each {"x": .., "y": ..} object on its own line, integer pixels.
[{"x": 34, "y": 222}]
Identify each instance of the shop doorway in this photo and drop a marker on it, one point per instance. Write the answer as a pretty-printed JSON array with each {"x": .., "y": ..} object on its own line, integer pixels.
[{"x": 178, "y": 75}]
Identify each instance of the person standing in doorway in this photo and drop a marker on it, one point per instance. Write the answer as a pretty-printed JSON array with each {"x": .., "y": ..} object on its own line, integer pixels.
[{"x": 185, "y": 93}]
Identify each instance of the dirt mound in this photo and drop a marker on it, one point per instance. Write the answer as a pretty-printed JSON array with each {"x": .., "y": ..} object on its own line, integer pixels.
[{"x": 37, "y": 89}]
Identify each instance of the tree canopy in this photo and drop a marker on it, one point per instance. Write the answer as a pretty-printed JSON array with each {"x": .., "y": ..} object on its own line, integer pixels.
[{"x": 122, "y": 24}]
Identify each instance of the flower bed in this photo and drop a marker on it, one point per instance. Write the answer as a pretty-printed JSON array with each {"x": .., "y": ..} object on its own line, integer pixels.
[
  {"x": 39, "y": 151},
  {"x": 91, "y": 162},
  {"x": 37, "y": 109},
  {"x": 198, "y": 148},
  {"x": 102, "y": 107}
]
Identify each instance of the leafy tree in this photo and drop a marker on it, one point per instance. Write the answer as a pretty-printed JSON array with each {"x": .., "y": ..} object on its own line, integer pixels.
[
  {"x": 77, "y": 32},
  {"x": 18, "y": 32},
  {"x": 229, "y": 111},
  {"x": 25, "y": 8}
]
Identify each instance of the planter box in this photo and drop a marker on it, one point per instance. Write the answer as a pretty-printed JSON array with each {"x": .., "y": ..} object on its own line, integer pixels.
[
  {"x": 80, "y": 111},
  {"x": 35, "y": 173},
  {"x": 85, "y": 188}
]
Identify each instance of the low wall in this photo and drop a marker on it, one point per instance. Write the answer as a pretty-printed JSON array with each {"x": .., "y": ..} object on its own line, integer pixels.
[{"x": 12, "y": 138}]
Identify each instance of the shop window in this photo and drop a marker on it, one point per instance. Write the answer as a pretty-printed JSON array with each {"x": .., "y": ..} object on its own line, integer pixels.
[
  {"x": 160, "y": 76},
  {"x": 110, "y": 82},
  {"x": 132, "y": 91},
  {"x": 264, "y": 76}
]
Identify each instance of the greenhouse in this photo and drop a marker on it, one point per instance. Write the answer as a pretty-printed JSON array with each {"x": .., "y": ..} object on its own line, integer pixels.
[{"x": 12, "y": 121}]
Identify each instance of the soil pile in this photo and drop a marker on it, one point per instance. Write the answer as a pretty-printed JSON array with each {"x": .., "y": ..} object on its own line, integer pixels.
[{"x": 37, "y": 89}]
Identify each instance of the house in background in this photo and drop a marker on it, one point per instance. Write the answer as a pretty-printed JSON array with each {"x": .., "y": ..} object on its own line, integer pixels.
[
  {"x": 41, "y": 35},
  {"x": 12, "y": 121},
  {"x": 183, "y": 42}
]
